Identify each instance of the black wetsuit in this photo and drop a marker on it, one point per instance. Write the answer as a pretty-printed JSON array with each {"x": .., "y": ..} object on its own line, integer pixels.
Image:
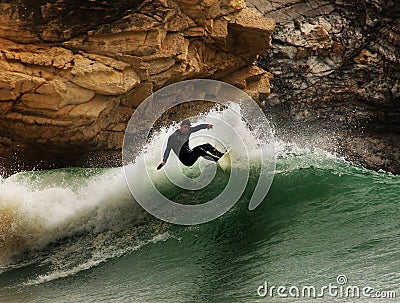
[{"x": 179, "y": 143}]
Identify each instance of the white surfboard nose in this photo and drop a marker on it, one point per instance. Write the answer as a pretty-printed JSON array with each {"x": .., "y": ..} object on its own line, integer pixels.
[{"x": 225, "y": 161}]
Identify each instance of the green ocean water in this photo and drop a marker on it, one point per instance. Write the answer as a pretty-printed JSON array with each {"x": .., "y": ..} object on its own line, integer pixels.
[{"x": 76, "y": 235}]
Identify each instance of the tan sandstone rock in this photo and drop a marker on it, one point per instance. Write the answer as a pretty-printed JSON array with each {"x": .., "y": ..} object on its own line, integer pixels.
[{"x": 77, "y": 81}]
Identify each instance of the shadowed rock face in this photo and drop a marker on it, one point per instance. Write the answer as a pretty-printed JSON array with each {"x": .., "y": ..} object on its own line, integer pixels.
[
  {"x": 72, "y": 72},
  {"x": 336, "y": 68},
  {"x": 59, "y": 20}
]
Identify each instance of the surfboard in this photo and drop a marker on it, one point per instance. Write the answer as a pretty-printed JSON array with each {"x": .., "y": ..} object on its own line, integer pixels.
[{"x": 225, "y": 161}]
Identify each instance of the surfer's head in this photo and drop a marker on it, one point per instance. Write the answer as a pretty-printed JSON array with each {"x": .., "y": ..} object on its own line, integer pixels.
[{"x": 185, "y": 126}]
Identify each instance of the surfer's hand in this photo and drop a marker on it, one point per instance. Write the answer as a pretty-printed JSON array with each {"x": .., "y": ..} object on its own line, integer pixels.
[
  {"x": 209, "y": 126},
  {"x": 160, "y": 165}
]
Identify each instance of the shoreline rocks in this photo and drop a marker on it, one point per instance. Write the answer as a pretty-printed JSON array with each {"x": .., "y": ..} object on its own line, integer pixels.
[{"x": 73, "y": 73}]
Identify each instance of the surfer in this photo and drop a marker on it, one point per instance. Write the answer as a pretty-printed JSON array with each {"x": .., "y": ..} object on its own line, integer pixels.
[{"x": 179, "y": 143}]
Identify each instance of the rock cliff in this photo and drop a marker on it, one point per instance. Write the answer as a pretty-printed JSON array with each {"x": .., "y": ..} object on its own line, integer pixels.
[
  {"x": 336, "y": 67},
  {"x": 72, "y": 72}
]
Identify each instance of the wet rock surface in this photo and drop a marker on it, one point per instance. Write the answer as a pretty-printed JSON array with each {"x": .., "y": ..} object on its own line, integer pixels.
[{"x": 336, "y": 76}]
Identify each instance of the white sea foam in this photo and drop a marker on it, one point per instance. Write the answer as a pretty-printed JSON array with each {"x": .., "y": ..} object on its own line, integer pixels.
[{"x": 36, "y": 213}]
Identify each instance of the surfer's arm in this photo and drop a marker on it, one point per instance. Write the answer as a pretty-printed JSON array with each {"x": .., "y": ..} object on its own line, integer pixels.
[
  {"x": 198, "y": 127},
  {"x": 167, "y": 150},
  {"x": 166, "y": 154}
]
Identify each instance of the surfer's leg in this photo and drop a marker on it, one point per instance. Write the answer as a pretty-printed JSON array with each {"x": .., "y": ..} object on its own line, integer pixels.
[
  {"x": 189, "y": 159},
  {"x": 200, "y": 151},
  {"x": 211, "y": 149}
]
